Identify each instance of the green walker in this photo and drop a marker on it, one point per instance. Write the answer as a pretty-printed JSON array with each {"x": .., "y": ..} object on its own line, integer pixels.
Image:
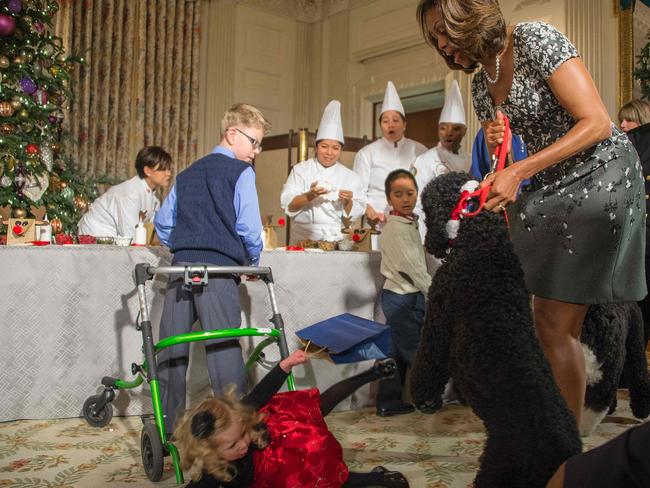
[{"x": 154, "y": 445}]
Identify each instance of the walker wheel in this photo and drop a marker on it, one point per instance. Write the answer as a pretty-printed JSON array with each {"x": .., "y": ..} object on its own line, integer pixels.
[
  {"x": 101, "y": 418},
  {"x": 152, "y": 452}
]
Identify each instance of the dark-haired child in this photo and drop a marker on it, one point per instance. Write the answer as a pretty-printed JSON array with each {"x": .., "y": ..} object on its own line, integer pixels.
[{"x": 407, "y": 282}]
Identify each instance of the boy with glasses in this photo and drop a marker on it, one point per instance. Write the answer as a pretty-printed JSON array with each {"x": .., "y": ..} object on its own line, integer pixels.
[{"x": 211, "y": 216}]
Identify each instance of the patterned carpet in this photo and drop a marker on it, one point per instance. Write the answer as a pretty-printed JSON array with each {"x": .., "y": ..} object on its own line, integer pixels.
[{"x": 433, "y": 451}]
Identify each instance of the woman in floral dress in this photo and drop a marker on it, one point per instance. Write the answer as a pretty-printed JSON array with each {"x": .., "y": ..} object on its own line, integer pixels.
[{"x": 579, "y": 225}]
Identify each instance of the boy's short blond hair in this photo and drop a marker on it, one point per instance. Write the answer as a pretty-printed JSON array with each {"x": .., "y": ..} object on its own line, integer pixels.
[{"x": 246, "y": 115}]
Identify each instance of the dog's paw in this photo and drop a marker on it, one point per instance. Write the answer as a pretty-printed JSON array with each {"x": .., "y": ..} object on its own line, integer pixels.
[{"x": 429, "y": 407}]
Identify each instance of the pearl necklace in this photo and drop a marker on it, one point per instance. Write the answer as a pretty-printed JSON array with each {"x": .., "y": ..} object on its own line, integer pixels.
[{"x": 496, "y": 75}]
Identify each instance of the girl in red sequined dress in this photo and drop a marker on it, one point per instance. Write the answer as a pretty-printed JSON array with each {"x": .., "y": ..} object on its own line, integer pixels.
[{"x": 275, "y": 440}]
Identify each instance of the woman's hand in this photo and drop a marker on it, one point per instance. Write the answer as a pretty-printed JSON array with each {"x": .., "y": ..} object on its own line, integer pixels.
[
  {"x": 345, "y": 196},
  {"x": 505, "y": 185},
  {"x": 494, "y": 132},
  {"x": 373, "y": 215},
  {"x": 296, "y": 357},
  {"x": 315, "y": 191}
]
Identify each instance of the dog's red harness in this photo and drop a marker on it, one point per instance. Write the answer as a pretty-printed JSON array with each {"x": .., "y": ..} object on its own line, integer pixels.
[{"x": 465, "y": 206}]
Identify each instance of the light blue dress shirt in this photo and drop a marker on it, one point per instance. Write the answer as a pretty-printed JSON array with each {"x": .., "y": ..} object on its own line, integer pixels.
[{"x": 248, "y": 223}]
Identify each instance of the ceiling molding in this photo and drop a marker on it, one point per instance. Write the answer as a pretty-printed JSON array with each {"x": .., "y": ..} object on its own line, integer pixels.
[{"x": 308, "y": 11}]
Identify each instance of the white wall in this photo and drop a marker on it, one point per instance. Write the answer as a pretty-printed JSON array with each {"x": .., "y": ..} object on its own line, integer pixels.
[{"x": 290, "y": 66}]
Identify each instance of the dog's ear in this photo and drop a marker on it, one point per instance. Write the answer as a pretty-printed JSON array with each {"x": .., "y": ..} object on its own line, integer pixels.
[{"x": 439, "y": 198}]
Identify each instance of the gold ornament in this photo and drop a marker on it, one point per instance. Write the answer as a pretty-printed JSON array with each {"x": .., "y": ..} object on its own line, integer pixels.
[
  {"x": 7, "y": 129},
  {"x": 4, "y": 62},
  {"x": 63, "y": 185},
  {"x": 19, "y": 60},
  {"x": 11, "y": 163},
  {"x": 6, "y": 110},
  {"x": 47, "y": 50},
  {"x": 55, "y": 183},
  {"x": 19, "y": 213},
  {"x": 15, "y": 103},
  {"x": 23, "y": 114},
  {"x": 57, "y": 226},
  {"x": 64, "y": 83},
  {"x": 80, "y": 203},
  {"x": 55, "y": 70}
]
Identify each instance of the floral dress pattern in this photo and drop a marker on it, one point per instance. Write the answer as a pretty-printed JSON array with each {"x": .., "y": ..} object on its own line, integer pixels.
[{"x": 579, "y": 227}]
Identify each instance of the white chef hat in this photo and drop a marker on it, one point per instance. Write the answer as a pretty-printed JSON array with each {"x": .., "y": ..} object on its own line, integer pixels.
[
  {"x": 454, "y": 111},
  {"x": 330, "y": 123},
  {"x": 391, "y": 100}
]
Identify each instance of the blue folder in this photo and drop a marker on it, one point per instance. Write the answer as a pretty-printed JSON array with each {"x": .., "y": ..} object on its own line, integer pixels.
[{"x": 349, "y": 338}]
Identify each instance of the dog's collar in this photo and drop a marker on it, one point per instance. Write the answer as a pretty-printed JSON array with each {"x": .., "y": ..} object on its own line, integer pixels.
[{"x": 470, "y": 203}]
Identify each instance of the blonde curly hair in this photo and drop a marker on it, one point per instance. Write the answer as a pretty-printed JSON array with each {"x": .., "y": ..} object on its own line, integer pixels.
[{"x": 195, "y": 435}]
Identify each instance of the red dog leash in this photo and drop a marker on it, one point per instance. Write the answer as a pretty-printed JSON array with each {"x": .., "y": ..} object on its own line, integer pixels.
[{"x": 465, "y": 206}]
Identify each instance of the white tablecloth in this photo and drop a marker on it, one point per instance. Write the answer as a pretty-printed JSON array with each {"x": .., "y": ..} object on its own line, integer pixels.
[{"x": 68, "y": 314}]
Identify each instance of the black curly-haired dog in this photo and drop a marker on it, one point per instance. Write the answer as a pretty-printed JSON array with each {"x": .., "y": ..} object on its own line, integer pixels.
[
  {"x": 614, "y": 346},
  {"x": 478, "y": 330}
]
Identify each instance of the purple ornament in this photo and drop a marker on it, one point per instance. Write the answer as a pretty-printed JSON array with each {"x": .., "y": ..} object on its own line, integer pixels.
[
  {"x": 52, "y": 119},
  {"x": 39, "y": 27},
  {"x": 14, "y": 6},
  {"x": 28, "y": 85},
  {"x": 7, "y": 25}
]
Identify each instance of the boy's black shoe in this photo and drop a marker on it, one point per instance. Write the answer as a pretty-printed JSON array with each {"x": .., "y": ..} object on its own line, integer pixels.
[{"x": 398, "y": 407}]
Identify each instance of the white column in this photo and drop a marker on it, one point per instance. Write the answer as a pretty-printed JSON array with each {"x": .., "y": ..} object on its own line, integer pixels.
[{"x": 216, "y": 70}]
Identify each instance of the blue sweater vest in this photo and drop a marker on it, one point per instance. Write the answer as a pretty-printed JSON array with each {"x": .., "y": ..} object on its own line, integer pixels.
[{"x": 205, "y": 215}]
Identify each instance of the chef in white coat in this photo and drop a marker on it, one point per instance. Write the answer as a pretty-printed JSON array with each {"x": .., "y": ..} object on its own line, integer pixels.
[
  {"x": 321, "y": 190},
  {"x": 447, "y": 156},
  {"x": 118, "y": 211},
  {"x": 392, "y": 151}
]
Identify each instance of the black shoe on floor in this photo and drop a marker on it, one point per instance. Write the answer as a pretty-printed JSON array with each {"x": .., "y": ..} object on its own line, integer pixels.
[
  {"x": 394, "y": 408},
  {"x": 386, "y": 368},
  {"x": 392, "y": 479}
]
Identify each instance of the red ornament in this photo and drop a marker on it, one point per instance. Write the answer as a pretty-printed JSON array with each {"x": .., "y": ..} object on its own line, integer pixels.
[
  {"x": 40, "y": 96},
  {"x": 63, "y": 239},
  {"x": 356, "y": 237},
  {"x": 281, "y": 221},
  {"x": 86, "y": 239},
  {"x": 7, "y": 25},
  {"x": 32, "y": 149}
]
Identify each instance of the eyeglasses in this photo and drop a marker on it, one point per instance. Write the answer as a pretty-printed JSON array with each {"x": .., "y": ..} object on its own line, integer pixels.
[{"x": 257, "y": 146}]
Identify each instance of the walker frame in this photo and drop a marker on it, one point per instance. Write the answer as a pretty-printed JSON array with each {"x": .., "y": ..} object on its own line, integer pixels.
[{"x": 154, "y": 444}]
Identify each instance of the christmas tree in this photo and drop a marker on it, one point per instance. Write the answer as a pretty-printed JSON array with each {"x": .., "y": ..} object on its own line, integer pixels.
[{"x": 35, "y": 92}]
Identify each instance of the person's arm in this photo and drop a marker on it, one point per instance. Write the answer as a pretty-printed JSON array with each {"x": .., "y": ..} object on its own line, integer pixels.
[
  {"x": 557, "y": 63},
  {"x": 301, "y": 200},
  {"x": 127, "y": 214},
  {"x": 362, "y": 167},
  {"x": 575, "y": 90},
  {"x": 358, "y": 206},
  {"x": 165, "y": 219},
  {"x": 274, "y": 379},
  {"x": 247, "y": 211}
]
